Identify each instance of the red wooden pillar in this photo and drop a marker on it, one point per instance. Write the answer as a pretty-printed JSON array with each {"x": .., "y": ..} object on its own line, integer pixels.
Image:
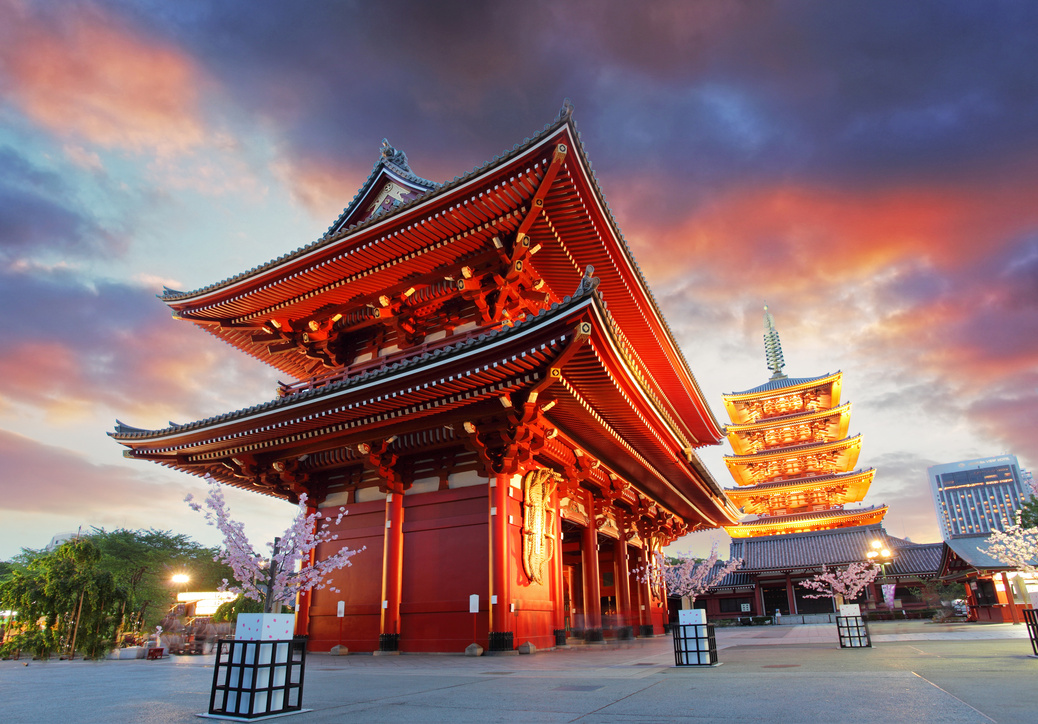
[
  {"x": 592, "y": 585},
  {"x": 303, "y": 600},
  {"x": 1010, "y": 598},
  {"x": 622, "y": 576},
  {"x": 790, "y": 597},
  {"x": 645, "y": 590},
  {"x": 500, "y": 619},
  {"x": 392, "y": 573},
  {"x": 559, "y": 590}
]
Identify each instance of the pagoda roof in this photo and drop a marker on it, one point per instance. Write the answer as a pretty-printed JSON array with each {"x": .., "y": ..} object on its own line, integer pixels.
[
  {"x": 836, "y": 547},
  {"x": 784, "y": 384},
  {"x": 599, "y": 404},
  {"x": 857, "y": 482},
  {"x": 795, "y": 417},
  {"x": 833, "y": 517},
  {"x": 454, "y": 222},
  {"x": 738, "y": 464}
]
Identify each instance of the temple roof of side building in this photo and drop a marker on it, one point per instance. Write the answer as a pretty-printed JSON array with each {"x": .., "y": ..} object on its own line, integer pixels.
[
  {"x": 782, "y": 383},
  {"x": 836, "y": 547},
  {"x": 745, "y": 529},
  {"x": 970, "y": 549}
]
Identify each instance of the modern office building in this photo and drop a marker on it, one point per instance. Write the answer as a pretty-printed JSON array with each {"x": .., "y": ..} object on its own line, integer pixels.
[{"x": 975, "y": 497}]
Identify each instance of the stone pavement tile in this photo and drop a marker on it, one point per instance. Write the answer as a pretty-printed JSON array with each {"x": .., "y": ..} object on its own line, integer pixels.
[{"x": 782, "y": 697}]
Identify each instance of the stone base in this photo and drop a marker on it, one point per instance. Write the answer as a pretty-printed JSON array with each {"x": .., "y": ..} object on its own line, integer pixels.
[
  {"x": 527, "y": 648},
  {"x": 339, "y": 650},
  {"x": 646, "y": 630},
  {"x": 593, "y": 636},
  {"x": 473, "y": 650},
  {"x": 385, "y": 653}
]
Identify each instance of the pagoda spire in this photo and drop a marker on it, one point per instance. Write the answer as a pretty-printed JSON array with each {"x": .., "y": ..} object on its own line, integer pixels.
[{"x": 773, "y": 346}]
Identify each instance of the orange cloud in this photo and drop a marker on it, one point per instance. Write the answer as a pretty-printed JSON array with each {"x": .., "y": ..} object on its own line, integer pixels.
[
  {"x": 323, "y": 189},
  {"x": 792, "y": 238},
  {"x": 87, "y": 77}
]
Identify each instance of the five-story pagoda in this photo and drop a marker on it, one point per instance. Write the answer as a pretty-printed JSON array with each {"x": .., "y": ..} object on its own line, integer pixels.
[{"x": 793, "y": 459}]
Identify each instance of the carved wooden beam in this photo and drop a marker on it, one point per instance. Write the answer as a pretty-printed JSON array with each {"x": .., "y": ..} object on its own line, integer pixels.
[{"x": 379, "y": 459}]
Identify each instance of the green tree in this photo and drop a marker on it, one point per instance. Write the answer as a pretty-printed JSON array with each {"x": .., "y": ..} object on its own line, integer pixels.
[
  {"x": 62, "y": 600},
  {"x": 229, "y": 610},
  {"x": 144, "y": 561},
  {"x": 1029, "y": 513}
]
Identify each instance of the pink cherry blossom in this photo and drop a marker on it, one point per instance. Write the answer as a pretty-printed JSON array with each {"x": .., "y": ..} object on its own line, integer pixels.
[
  {"x": 1016, "y": 547},
  {"x": 294, "y": 574},
  {"x": 847, "y": 582}
]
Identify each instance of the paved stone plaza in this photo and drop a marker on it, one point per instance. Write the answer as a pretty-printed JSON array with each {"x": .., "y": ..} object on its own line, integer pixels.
[{"x": 916, "y": 673}]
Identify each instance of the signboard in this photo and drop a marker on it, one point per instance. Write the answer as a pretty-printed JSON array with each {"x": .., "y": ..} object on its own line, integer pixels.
[
  {"x": 745, "y": 607},
  {"x": 340, "y": 609},
  {"x": 692, "y": 616},
  {"x": 474, "y": 603},
  {"x": 850, "y": 609}
]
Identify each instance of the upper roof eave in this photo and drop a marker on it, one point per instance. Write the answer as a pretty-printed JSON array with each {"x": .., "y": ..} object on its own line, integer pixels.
[
  {"x": 709, "y": 429},
  {"x": 563, "y": 119},
  {"x": 784, "y": 383}
]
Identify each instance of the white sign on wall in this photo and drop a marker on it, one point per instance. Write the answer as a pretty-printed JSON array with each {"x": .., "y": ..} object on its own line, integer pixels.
[
  {"x": 850, "y": 609},
  {"x": 474, "y": 603},
  {"x": 340, "y": 609}
]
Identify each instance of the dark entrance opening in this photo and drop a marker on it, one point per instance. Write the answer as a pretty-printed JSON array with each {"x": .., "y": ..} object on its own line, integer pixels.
[{"x": 775, "y": 599}]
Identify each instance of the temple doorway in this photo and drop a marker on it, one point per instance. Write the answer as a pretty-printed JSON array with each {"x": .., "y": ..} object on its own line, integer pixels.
[{"x": 775, "y": 599}]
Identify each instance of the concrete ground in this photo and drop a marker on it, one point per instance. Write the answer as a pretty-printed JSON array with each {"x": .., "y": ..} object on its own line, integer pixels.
[{"x": 916, "y": 672}]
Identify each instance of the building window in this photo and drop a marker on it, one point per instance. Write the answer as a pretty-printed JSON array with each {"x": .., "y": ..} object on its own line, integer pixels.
[{"x": 733, "y": 605}]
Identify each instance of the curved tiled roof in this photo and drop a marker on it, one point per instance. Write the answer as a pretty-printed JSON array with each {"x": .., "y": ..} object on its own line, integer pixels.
[
  {"x": 807, "y": 482},
  {"x": 585, "y": 290},
  {"x": 779, "y": 384},
  {"x": 835, "y": 547},
  {"x": 565, "y": 114},
  {"x": 813, "y": 515},
  {"x": 391, "y": 160}
]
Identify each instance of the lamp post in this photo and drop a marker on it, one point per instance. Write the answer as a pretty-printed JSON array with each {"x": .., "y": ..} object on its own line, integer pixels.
[{"x": 880, "y": 554}]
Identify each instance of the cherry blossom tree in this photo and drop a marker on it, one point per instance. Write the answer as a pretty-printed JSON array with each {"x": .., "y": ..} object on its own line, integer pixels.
[
  {"x": 1016, "y": 547},
  {"x": 841, "y": 583},
  {"x": 692, "y": 577},
  {"x": 287, "y": 572}
]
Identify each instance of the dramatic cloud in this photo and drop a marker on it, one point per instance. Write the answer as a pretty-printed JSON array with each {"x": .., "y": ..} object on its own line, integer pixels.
[
  {"x": 65, "y": 491},
  {"x": 80, "y": 347},
  {"x": 85, "y": 75},
  {"x": 39, "y": 211},
  {"x": 865, "y": 168}
]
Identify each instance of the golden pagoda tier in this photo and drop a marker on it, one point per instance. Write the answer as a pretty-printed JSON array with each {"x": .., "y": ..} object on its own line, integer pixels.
[{"x": 793, "y": 460}]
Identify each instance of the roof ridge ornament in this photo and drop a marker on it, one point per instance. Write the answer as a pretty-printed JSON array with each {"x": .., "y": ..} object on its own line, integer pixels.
[
  {"x": 567, "y": 110},
  {"x": 588, "y": 283},
  {"x": 394, "y": 155},
  {"x": 773, "y": 347}
]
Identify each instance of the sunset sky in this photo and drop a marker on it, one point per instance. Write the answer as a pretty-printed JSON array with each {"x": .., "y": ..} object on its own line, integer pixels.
[{"x": 867, "y": 169}]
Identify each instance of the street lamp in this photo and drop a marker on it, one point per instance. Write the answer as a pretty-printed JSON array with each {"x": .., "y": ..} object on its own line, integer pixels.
[
  {"x": 180, "y": 578},
  {"x": 880, "y": 554}
]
